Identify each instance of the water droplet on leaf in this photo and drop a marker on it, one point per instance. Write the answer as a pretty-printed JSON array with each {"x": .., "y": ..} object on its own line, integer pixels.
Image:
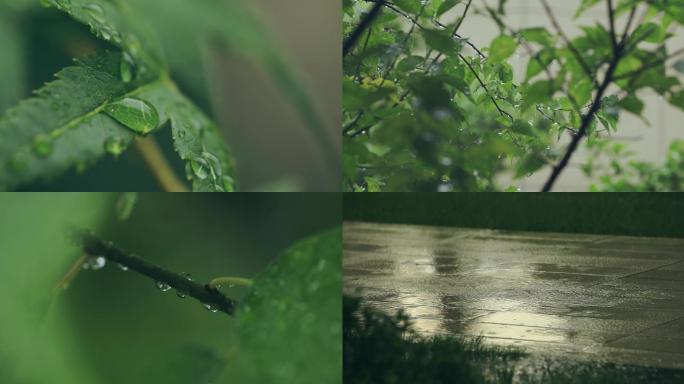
[
  {"x": 138, "y": 115},
  {"x": 115, "y": 146},
  {"x": 95, "y": 263},
  {"x": 43, "y": 145},
  {"x": 210, "y": 307},
  {"x": 180, "y": 294},
  {"x": 122, "y": 267},
  {"x": 163, "y": 286},
  {"x": 127, "y": 68}
]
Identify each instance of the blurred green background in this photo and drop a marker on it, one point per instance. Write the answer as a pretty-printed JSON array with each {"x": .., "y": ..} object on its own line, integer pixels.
[
  {"x": 632, "y": 214},
  {"x": 112, "y": 326},
  {"x": 273, "y": 147}
]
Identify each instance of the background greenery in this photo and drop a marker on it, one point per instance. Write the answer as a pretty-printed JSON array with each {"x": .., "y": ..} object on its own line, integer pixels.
[
  {"x": 633, "y": 214},
  {"x": 113, "y": 326}
]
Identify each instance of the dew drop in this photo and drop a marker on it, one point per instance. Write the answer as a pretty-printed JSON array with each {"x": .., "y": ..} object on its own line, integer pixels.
[
  {"x": 122, "y": 267},
  {"x": 138, "y": 115},
  {"x": 163, "y": 286},
  {"x": 115, "y": 146},
  {"x": 43, "y": 145},
  {"x": 95, "y": 263},
  {"x": 180, "y": 295},
  {"x": 187, "y": 276},
  {"x": 210, "y": 307},
  {"x": 127, "y": 68}
]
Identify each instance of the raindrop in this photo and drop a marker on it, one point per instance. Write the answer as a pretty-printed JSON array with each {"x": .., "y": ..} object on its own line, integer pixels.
[
  {"x": 163, "y": 286},
  {"x": 138, "y": 115},
  {"x": 187, "y": 276},
  {"x": 95, "y": 263},
  {"x": 115, "y": 146},
  {"x": 210, "y": 307},
  {"x": 122, "y": 267},
  {"x": 127, "y": 68},
  {"x": 181, "y": 295},
  {"x": 43, "y": 145}
]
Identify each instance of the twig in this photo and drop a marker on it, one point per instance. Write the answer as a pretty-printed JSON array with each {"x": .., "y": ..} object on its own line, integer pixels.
[
  {"x": 356, "y": 33},
  {"x": 586, "y": 121},
  {"x": 208, "y": 296},
  {"x": 455, "y": 32},
  {"x": 570, "y": 45},
  {"x": 71, "y": 274},
  {"x": 160, "y": 167},
  {"x": 611, "y": 22}
]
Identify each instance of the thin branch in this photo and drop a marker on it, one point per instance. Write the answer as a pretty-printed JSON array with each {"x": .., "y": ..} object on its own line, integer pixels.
[
  {"x": 160, "y": 167},
  {"x": 71, "y": 274},
  {"x": 208, "y": 296},
  {"x": 611, "y": 22},
  {"x": 650, "y": 65},
  {"x": 628, "y": 25},
  {"x": 455, "y": 32},
  {"x": 363, "y": 25},
  {"x": 485, "y": 87},
  {"x": 576, "y": 54},
  {"x": 586, "y": 121}
]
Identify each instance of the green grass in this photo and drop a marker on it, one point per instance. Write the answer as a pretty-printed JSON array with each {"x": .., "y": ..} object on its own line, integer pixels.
[
  {"x": 647, "y": 214},
  {"x": 383, "y": 349}
]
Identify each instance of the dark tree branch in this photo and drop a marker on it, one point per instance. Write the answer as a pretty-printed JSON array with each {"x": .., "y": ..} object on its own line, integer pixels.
[
  {"x": 356, "y": 33},
  {"x": 94, "y": 246},
  {"x": 586, "y": 121},
  {"x": 611, "y": 22}
]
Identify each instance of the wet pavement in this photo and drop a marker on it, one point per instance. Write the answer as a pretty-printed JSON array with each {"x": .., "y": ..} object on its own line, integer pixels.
[{"x": 603, "y": 298}]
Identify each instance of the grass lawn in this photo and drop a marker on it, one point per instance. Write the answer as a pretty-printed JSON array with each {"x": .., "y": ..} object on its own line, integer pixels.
[{"x": 631, "y": 214}]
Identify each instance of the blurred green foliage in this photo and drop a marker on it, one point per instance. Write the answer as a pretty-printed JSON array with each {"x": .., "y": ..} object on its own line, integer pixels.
[
  {"x": 113, "y": 326},
  {"x": 425, "y": 109},
  {"x": 382, "y": 348}
]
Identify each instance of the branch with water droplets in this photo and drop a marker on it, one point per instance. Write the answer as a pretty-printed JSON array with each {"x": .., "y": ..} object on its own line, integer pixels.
[{"x": 208, "y": 295}]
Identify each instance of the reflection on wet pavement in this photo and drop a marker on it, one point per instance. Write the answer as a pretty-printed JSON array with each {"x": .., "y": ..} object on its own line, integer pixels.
[{"x": 607, "y": 298}]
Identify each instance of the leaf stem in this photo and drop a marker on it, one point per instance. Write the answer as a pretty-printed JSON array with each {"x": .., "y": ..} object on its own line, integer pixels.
[
  {"x": 71, "y": 274},
  {"x": 159, "y": 165},
  {"x": 229, "y": 281},
  {"x": 206, "y": 295}
]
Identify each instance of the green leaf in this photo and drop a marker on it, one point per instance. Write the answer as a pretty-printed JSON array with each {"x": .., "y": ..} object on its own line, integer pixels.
[
  {"x": 502, "y": 48},
  {"x": 586, "y": 4},
  {"x": 298, "y": 299},
  {"x": 538, "y": 35},
  {"x": 446, "y": 6},
  {"x": 442, "y": 41}
]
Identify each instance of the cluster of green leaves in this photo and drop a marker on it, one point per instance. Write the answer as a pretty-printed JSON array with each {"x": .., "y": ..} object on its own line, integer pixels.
[
  {"x": 108, "y": 98},
  {"x": 425, "y": 109},
  {"x": 622, "y": 174}
]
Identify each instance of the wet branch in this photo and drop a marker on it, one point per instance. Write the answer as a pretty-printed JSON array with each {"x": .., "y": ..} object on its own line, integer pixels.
[
  {"x": 207, "y": 295},
  {"x": 356, "y": 33}
]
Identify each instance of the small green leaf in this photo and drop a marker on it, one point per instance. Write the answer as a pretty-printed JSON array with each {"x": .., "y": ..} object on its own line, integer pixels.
[{"x": 502, "y": 48}]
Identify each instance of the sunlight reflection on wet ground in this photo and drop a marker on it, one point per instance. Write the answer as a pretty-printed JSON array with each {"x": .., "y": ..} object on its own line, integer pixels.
[{"x": 609, "y": 298}]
